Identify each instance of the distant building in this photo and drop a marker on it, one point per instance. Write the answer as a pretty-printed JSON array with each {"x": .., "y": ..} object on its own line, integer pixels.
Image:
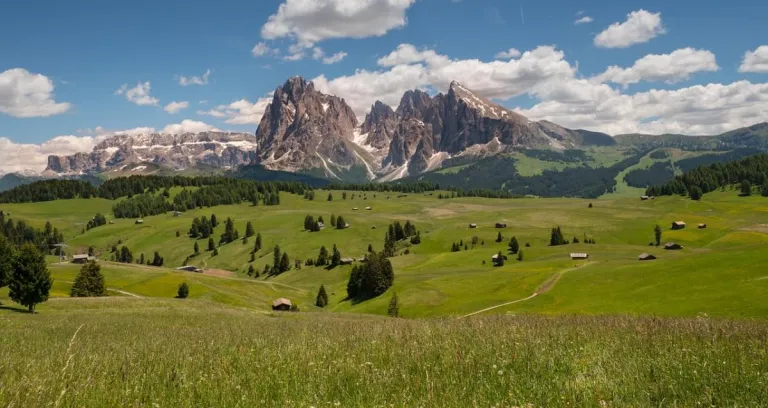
[
  {"x": 496, "y": 259},
  {"x": 190, "y": 268},
  {"x": 355, "y": 209},
  {"x": 644, "y": 197},
  {"x": 579, "y": 256},
  {"x": 111, "y": 221},
  {"x": 672, "y": 246},
  {"x": 702, "y": 226},
  {"x": 472, "y": 225},
  {"x": 282, "y": 305},
  {"x": 346, "y": 225},
  {"x": 139, "y": 222},
  {"x": 501, "y": 225},
  {"x": 646, "y": 257},
  {"x": 81, "y": 258},
  {"x": 678, "y": 225},
  {"x": 177, "y": 213},
  {"x": 320, "y": 224},
  {"x": 347, "y": 261},
  {"x": 368, "y": 208}
]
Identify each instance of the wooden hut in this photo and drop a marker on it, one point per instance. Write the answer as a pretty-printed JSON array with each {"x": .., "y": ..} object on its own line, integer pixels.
[
  {"x": 702, "y": 226},
  {"x": 473, "y": 225},
  {"x": 672, "y": 246},
  {"x": 579, "y": 256},
  {"x": 646, "y": 257},
  {"x": 501, "y": 225},
  {"x": 678, "y": 225},
  {"x": 282, "y": 305}
]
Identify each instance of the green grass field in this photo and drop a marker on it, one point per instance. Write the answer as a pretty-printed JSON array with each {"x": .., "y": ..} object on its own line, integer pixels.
[
  {"x": 718, "y": 273},
  {"x": 687, "y": 329}
]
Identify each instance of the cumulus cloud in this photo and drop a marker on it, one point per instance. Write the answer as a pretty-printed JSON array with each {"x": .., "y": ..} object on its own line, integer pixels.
[
  {"x": 319, "y": 54},
  {"x": 309, "y": 22},
  {"x": 19, "y": 157},
  {"x": 641, "y": 26},
  {"x": 194, "y": 80},
  {"x": 241, "y": 112},
  {"x": 188, "y": 126},
  {"x": 409, "y": 54},
  {"x": 670, "y": 68},
  {"x": 138, "y": 94},
  {"x": 26, "y": 95},
  {"x": 583, "y": 20},
  {"x": 261, "y": 49},
  {"x": 176, "y": 107},
  {"x": 755, "y": 61},
  {"x": 510, "y": 53}
]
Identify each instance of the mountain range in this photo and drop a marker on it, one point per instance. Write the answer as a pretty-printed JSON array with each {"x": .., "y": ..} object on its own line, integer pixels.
[{"x": 306, "y": 131}]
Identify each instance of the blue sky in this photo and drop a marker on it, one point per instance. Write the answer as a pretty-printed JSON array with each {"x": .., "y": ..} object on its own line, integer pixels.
[{"x": 87, "y": 49}]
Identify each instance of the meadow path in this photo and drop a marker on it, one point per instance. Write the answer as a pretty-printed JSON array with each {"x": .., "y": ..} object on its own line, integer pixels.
[{"x": 545, "y": 287}]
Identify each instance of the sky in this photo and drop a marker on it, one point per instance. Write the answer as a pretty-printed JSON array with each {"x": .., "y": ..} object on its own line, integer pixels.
[{"x": 75, "y": 72}]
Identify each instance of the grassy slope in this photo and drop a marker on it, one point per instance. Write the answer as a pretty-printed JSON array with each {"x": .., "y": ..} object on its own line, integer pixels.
[
  {"x": 179, "y": 353},
  {"x": 715, "y": 274}
]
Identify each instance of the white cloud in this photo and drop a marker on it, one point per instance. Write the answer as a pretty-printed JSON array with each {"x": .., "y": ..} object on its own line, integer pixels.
[
  {"x": 510, "y": 53},
  {"x": 755, "y": 61},
  {"x": 34, "y": 157},
  {"x": 188, "y": 126},
  {"x": 176, "y": 107},
  {"x": 138, "y": 94},
  {"x": 26, "y": 95},
  {"x": 194, "y": 80},
  {"x": 312, "y": 21},
  {"x": 670, "y": 68},
  {"x": 261, "y": 49},
  {"x": 319, "y": 54},
  {"x": 641, "y": 26},
  {"x": 584, "y": 20},
  {"x": 241, "y": 112},
  {"x": 409, "y": 54}
]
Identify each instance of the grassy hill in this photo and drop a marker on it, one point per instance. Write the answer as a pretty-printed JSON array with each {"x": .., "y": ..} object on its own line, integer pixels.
[{"x": 717, "y": 273}]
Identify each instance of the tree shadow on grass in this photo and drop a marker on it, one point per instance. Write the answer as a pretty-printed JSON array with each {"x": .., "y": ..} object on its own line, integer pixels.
[{"x": 13, "y": 309}]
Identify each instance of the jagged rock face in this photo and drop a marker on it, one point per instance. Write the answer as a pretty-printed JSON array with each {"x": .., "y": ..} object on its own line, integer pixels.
[
  {"x": 303, "y": 129},
  {"x": 380, "y": 124},
  {"x": 407, "y": 138},
  {"x": 179, "y": 152},
  {"x": 414, "y": 105}
]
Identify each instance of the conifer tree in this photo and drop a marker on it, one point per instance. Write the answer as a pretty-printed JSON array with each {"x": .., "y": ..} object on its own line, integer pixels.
[
  {"x": 394, "y": 306},
  {"x": 197, "y": 248},
  {"x": 514, "y": 246},
  {"x": 657, "y": 234},
  {"x": 276, "y": 256},
  {"x": 322, "y": 257},
  {"x": 285, "y": 263},
  {"x": 89, "y": 282},
  {"x": 499, "y": 238},
  {"x": 333, "y": 221},
  {"x": 7, "y": 255},
  {"x": 330, "y": 196},
  {"x": 257, "y": 246},
  {"x": 520, "y": 255},
  {"x": 30, "y": 281},
  {"x": 211, "y": 244},
  {"x": 249, "y": 230},
  {"x": 336, "y": 257},
  {"x": 183, "y": 291},
  {"x": 746, "y": 188},
  {"x": 214, "y": 221},
  {"x": 322, "y": 297},
  {"x": 251, "y": 270}
]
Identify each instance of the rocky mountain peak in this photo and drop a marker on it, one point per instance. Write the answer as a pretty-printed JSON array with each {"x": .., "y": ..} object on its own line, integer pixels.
[
  {"x": 379, "y": 113},
  {"x": 414, "y": 104}
]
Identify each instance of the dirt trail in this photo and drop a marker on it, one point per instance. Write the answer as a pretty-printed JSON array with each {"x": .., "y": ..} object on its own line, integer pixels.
[
  {"x": 110, "y": 289},
  {"x": 544, "y": 288}
]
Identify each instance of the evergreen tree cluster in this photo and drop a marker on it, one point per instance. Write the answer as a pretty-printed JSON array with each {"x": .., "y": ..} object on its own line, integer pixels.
[
  {"x": 49, "y": 190},
  {"x": 371, "y": 278},
  {"x": 230, "y": 233},
  {"x": 18, "y": 233},
  {"x": 97, "y": 221},
  {"x": 89, "y": 282},
  {"x": 397, "y": 187},
  {"x": 311, "y": 224},
  {"x": 397, "y": 232},
  {"x": 513, "y": 245},
  {"x": 123, "y": 255},
  {"x": 202, "y": 227},
  {"x": 705, "y": 179},
  {"x": 556, "y": 237}
]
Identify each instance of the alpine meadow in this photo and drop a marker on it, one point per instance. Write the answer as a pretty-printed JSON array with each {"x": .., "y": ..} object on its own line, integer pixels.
[{"x": 384, "y": 203}]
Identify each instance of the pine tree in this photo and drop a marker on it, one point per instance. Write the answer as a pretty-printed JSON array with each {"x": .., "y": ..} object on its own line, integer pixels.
[
  {"x": 657, "y": 234},
  {"x": 340, "y": 223},
  {"x": 30, "y": 281},
  {"x": 7, "y": 255},
  {"x": 178, "y": 234},
  {"x": 520, "y": 255},
  {"x": 214, "y": 221},
  {"x": 276, "y": 256},
  {"x": 322, "y": 297},
  {"x": 309, "y": 222},
  {"x": 257, "y": 247},
  {"x": 322, "y": 257},
  {"x": 141, "y": 259},
  {"x": 251, "y": 270},
  {"x": 89, "y": 282},
  {"x": 330, "y": 196},
  {"x": 211, "y": 244},
  {"x": 514, "y": 246},
  {"x": 336, "y": 257},
  {"x": 394, "y": 307},
  {"x": 255, "y": 199},
  {"x": 157, "y": 260},
  {"x": 215, "y": 252},
  {"x": 183, "y": 291},
  {"x": 746, "y": 188},
  {"x": 333, "y": 221},
  {"x": 249, "y": 230},
  {"x": 499, "y": 238},
  {"x": 370, "y": 279},
  {"x": 500, "y": 259},
  {"x": 695, "y": 193},
  {"x": 285, "y": 263},
  {"x": 370, "y": 248},
  {"x": 197, "y": 248},
  {"x": 764, "y": 189}
]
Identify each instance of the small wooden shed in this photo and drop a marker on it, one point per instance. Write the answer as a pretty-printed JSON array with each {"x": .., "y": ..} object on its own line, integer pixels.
[
  {"x": 579, "y": 256},
  {"x": 472, "y": 225},
  {"x": 139, "y": 222},
  {"x": 702, "y": 226},
  {"x": 347, "y": 261},
  {"x": 678, "y": 225},
  {"x": 80, "y": 259},
  {"x": 672, "y": 246},
  {"x": 282, "y": 305},
  {"x": 644, "y": 198},
  {"x": 646, "y": 257},
  {"x": 501, "y": 225}
]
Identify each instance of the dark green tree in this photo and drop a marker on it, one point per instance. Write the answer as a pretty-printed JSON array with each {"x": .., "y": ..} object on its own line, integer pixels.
[
  {"x": 30, "y": 282},
  {"x": 214, "y": 221},
  {"x": 215, "y": 252},
  {"x": 520, "y": 255},
  {"x": 330, "y": 196},
  {"x": 211, "y": 244},
  {"x": 695, "y": 193},
  {"x": 514, "y": 246},
  {"x": 285, "y": 263},
  {"x": 7, "y": 255},
  {"x": 197, "y": 248},
  {"x": 322, "y": 297},
  {"x": 371, "y": 278},
  {"x": 257, "y": 246},
  {"x": 340, "y": 223},
  {"x": 333, "y": 221},
  {"x": 500, "y": 259},
  {"x": 183, "y": 291},
  {"x": 556, "y": 237},
  {"x": 746, "y": 188},
  {"x": 335, "y": 257},
  {"x": 309, "y": 223},
  {"x": 157, "y": 260},
  {"x": 370, "y": 248},
  {"x": 394, "y": 306},
  {"x": 89, "y": 282},
  {"x": 249, "y": 230},
  {"x": 657, "y": 234},
  {"x": 276, "y": 256},
  {"x": 322, "y": 257},
  {"x": 499, "y": 238},
  {"x": 251, "y": 270},
  {"x": 764, "y": 189}
]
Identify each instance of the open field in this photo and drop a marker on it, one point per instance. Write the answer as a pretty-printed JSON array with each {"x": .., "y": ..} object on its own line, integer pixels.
[
  {"x": 718, "y": 273},
  {"x": 169, "y": 353}
]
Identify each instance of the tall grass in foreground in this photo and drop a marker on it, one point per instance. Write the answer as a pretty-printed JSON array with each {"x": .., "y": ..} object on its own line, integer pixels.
[{"x": 135, "y": 352}]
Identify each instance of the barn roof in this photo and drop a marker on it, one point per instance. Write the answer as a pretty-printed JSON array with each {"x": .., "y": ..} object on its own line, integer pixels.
[{"x": 281, "y": 301}]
